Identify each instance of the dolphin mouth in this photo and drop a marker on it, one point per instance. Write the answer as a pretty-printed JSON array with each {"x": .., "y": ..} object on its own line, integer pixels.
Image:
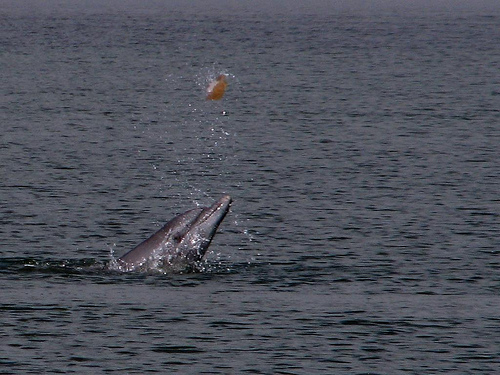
[
  {"x": 219, "y": 208},
  {"x": 202, "y": 229},
  {"x": 211, "y": 216}
]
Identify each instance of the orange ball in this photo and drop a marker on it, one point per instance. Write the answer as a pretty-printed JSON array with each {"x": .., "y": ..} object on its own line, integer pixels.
[{"x": 217, "y": 88}]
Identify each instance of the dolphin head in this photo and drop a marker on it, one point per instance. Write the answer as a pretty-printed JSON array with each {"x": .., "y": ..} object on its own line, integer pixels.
[
  {"x": 181, "y": 243},
  {"x": 201, "y": 229}
]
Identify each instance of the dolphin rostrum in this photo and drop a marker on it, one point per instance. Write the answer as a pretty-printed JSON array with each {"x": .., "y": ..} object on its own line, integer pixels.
[{"x": 181, "y": 243}]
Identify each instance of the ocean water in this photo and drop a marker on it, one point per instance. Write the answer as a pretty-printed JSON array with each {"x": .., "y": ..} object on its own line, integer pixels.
[{"x": 361, "y": 149}]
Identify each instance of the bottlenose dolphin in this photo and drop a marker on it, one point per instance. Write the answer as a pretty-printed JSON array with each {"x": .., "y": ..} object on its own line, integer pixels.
[{"x": 181, "y": 243}]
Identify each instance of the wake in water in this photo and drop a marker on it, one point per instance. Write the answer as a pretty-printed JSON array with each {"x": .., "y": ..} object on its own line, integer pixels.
[
  {"x": 93, "y": 267},
  {"x": 51, "y": 266}
]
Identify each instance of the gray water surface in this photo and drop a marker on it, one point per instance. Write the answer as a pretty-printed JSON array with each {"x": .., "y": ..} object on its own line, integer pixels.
[{"x": 360, "y": 146}]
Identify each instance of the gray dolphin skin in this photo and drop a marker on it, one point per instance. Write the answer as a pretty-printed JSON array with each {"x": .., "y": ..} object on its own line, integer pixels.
[{"x": 181, "y": 243}]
